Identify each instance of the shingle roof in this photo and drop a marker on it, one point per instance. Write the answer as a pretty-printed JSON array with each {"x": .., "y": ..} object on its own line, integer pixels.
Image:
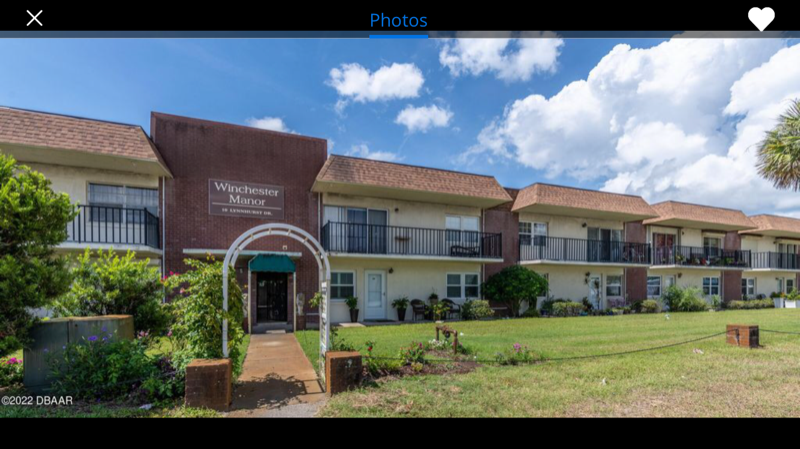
[
  {"x": 674, "y": 212},
  {"x": 351, "y": 170},
  {"x": 39, "y": 129},
  {"x": 774, "y": 225},
  {"x": 547, "y": 195}
]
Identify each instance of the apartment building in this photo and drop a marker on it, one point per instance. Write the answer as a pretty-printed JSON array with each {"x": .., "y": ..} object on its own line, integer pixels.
[
  {"x": 111, "y": 171},
  {"x": 773, "y": 247}
]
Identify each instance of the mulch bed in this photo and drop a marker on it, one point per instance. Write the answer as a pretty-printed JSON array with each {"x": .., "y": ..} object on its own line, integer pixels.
[{"x": 444, "y": 364}]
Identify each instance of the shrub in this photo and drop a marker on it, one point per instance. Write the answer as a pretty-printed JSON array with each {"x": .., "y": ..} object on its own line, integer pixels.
[
  {"x": 198, "y": 313},
  {"x": 10, "y": 372},
  {"x": 517, "y": 355},
  {"x": 679, "y": 299},
  {"x": 532, "y": 312},
  {"x": 113, "y": 285},
  {"x": 102, "y": 367},
  {"x": 440, "y": 310},
  {"x": 33, "y": 220},
  {"x": 650, "y": 306},
  {"x": 547, "y": 305},
  {"x": 513, "y": 285},
  {"x": 413, "y": 354},
  {"x": 376, "y": 366},
  {"x": 568, "y": 308},
  {"x": 751, "y": 304},
  {"x": 476, "y": 309}
]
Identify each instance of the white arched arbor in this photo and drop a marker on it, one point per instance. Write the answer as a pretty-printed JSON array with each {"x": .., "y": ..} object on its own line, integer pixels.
[{"x": 292, "y": 232}]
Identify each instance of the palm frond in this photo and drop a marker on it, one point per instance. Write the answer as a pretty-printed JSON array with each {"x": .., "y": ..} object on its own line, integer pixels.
[{"x": 779, "y": 152}]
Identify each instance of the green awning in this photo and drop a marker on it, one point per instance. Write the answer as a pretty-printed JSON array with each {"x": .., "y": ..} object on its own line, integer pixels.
[{"x": 276, "y": 263}]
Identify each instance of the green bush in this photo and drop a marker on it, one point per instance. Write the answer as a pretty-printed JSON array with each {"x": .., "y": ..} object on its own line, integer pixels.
[
  {"x": 198, "y": 314},
  {"x": 513, "y": 285},
  {"x": 10, "y": 372},
  {"x": 476, "y": 309},
  {"x": 531, "y": 313},
  {"x": 569, "y": 308},
  {"x": 751, "y": 304},
  {"x": 650, "y": 306},
  {"x": 102, "y": 367},
  {"x": 547, "y": 305},
  {"x": 689, "y": 299},
  {"x": 517, "y": 355},
  {"x": 113, "y": 285},
  {"x": 33, "y": 220}
]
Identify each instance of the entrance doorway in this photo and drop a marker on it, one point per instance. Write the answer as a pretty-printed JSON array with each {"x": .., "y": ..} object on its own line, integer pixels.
[
  {"x": 272, "y": 295},
  {"x": 376, "y": 295}
]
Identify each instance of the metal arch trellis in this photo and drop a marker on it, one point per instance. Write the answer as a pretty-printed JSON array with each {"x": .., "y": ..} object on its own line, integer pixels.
[{"x": 295, "y": 233}]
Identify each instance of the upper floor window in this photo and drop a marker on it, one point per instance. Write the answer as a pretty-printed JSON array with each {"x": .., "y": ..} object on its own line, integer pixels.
[
  {"x": 787, "y": 249},
  {"x": 462, "y": 229},
  {"x": 532, "y": 233},
  {"x": 121, "y": 204},
  {"x": 712, "y": 246}
]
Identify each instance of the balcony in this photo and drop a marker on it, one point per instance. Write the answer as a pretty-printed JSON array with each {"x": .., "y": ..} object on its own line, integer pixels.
[
  {"x": 114, "y": 226},
  {"x": 700, "y": 257},
  {"x": 579, "y": 251},
  {"x": 399, "y": 241},
  {"x": 775, "y": 261}
]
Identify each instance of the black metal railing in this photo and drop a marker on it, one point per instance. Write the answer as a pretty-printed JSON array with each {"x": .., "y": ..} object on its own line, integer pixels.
[
  {"x": 561, "y": 249},
  {"x": 114, "y": 225},
  {"x": 780, "y": 261},
  {"x": 692, "y": 256},
  {"x": 406, "y": 241}
]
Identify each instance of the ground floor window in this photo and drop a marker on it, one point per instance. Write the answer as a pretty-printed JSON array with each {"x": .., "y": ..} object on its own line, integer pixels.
[
  {"x": 613, "y": 286},
  {"x": 463, "y": 285},
  {"x": 343, "y": 284},
  {"x": 789, "y": 285},
  {"x": 711, "y": 286},
  {"x": 748, "y": 287},
  {"x": 653, "y": 286}
]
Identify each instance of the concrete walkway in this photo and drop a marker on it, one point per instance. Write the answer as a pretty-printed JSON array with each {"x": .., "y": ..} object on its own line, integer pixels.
[{"x": 277, "y": 380}]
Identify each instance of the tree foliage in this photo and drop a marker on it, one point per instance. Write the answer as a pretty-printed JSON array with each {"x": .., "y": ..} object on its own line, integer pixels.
[
  {"x": 779, "y": 152},
  {"x": 33, "y": 220},
  {"x": 513, "y": 285}
]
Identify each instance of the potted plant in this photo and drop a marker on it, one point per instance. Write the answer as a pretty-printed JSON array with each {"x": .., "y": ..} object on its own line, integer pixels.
[
  {"x": 790, "y": 300},
  {"x": 352, "y": 304},
  {"x": 777, "y": 299},
  {"x": 401, "y": 304}
]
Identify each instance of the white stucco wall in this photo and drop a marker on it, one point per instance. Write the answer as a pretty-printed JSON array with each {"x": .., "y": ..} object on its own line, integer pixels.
[
  {"x": 687, "y": 277},
  {"x": 569, "y": 227},
  {"x": 75, "y": 181},
  {"x": 767, "y": 281},
  {"x": 571, "y": 282},
  {"x": 404, "y": 213}
]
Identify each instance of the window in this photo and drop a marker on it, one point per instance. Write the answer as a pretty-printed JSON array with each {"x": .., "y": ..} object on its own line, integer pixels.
[
  {"x": 462, "y": 230},
  {"x": 357, "y": 230},
  {"x": 711, "y": 286},
  {"x": 789, "y": 285},
  {"x": 463, "y": 285},
  {"x": 669, "y": 281},
  {"x": 613, "y": 286},
  {"x": 343, "y": 284},
  {"x": 525, "y": 232},
  {"x": 653, "y": 286},
  {"x": 712, "y": 246},
  {"x": 532, "y": 233},
  {"x": 110, "y": 200},
  {"x": 748, "y": 287}
]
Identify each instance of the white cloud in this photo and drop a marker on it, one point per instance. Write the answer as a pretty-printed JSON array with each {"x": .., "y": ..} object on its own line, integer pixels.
[
  {"x": 354, "y": 82},
  {"x": 510, "y": 59},
  {"x": 364, "y": 151},
  {"x": 423, "y": 118},
  {"x": 269, "y": 123},
  {"x": 677, "y": 121}
]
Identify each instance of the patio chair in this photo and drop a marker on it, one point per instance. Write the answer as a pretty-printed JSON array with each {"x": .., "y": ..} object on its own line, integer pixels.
[
  {"x": 417, "y": 309},
  {"x": 455, "y": 309}
]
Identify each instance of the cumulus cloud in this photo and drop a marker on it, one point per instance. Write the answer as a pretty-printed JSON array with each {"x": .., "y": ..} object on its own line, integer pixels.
[
  {"x": 510, "y": 59},
  {"x": 364, "y": 151},
  {"x": 269, "y": 123},
  {"x": 356, "y": 83},
  {"x": 677, "y": 121},
  {"x": 423, "y": 118}
]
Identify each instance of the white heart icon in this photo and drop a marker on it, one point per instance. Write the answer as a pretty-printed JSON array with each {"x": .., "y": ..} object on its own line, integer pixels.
[{"x": 761, "y": 18}]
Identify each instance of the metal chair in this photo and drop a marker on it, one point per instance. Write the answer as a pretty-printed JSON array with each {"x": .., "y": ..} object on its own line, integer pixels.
[
  {"x": 455, "y": 309},
  {"x": 417, "y": 308}
]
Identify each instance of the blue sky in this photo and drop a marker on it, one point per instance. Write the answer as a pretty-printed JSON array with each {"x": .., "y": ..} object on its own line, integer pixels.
[{"x": 646, "y": 100}]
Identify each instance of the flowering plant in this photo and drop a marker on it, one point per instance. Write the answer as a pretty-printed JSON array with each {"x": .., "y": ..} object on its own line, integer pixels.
[
  {"x": 10, "y": 372},
  {"x": 517, "y": 355}
]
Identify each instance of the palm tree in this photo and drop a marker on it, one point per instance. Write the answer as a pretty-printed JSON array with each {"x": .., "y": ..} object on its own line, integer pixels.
[{"x": 779, "y": 153}]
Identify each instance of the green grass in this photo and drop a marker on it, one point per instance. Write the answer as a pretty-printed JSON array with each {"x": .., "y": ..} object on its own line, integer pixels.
[
  {"x": 103, "y": 411},
  {"x": 723, "y": 380}
]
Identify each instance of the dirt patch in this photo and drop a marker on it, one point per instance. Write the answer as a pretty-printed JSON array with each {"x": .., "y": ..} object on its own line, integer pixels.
[{"x": 444, "y": 363}]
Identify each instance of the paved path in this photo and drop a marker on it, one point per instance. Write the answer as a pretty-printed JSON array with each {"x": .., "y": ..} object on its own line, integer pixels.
[{"x": 277, "y": 380}]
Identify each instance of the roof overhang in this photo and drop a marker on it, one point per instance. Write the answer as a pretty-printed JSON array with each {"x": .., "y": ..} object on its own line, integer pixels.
[
  {"x": 704, "y": 225},
  {"x": 84, "y": 159},
  {"x": 773, "y": 233},
  {"x": 405, "y": 194},
  {"x": 581, "y": 212}
]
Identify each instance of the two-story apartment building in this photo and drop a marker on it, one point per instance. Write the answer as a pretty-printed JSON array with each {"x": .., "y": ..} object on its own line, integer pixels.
[
  {"x": 111, "y": 171},
  {"x": 395, "y": 230},
  {"x": 577, "y": 239},
  {"x": 697, "y": 246},
  {"x": 773, "y": 247}
]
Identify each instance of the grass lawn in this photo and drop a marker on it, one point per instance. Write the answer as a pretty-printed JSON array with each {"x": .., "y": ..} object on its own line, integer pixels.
[{"x": 717, "y": 380}]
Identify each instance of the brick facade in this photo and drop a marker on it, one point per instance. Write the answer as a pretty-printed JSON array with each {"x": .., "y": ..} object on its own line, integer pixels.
[
  {"x": 635, "y": 278},
  {"x": 501, "y": 220},
  {"x": 732, "y": 279},
  {"x": 199, "y": 150}
]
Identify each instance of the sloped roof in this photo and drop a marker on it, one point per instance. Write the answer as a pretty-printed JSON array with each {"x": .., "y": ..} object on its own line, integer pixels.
[
  {"x": 774, "y": 225},
  {"x": 559, "y": 200},
  {"x": 674, "y": 213},
  {"x": 351, "y": 175}
]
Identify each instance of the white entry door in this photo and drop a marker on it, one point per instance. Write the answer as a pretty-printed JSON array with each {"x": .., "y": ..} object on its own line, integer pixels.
[
  {"x": 594, "y": 291},
  {"x": 375, "y": 302}
]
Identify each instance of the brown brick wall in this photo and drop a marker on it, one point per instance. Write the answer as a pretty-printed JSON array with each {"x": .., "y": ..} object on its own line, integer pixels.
[
  {"x": 501, "y": 220},
  {"x": 636, "y": 278},
  {"x": 199, "y": 150},
  {"x": 732, "y": 280}
]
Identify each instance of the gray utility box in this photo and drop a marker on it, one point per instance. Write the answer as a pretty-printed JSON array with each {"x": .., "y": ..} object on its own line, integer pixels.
[{"x": 49, "y": 338}]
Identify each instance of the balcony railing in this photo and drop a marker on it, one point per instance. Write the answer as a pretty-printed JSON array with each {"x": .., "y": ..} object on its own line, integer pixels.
[
  {"x": 691, "y": 256},
  {"x": 109, "y": 225},
  {"x": 776, "y": 261},
  {"x": 560, "y": 249},
  {"x": 405, "y": 241}
]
